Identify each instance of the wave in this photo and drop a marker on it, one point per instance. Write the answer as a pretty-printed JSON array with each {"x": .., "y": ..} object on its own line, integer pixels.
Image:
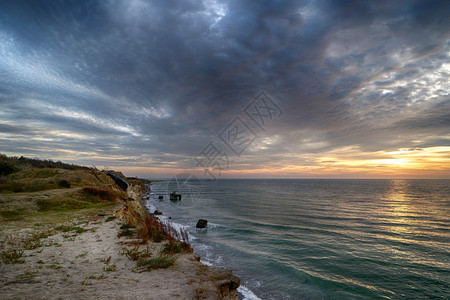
[{"x": 209, "y": 257}]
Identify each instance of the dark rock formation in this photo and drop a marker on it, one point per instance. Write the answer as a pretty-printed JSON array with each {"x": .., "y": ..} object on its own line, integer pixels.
[
  {"x": 202, "y": 223},
  {"x": 174, "y": 196},
  {"x": 157, "y": 212},
  {"x": 161, "y": 197},
  {"x": 227, "y": 287}
]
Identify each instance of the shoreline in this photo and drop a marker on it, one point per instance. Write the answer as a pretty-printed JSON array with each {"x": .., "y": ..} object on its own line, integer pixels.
[
  {"x": 91, "y": 261},
  {"x": 152, "y": 204}
]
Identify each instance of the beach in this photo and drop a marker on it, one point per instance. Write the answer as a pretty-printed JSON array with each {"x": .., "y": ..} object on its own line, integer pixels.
[
  {"x": 92, "y": 265},
  {"x": 96, "y": 256}
]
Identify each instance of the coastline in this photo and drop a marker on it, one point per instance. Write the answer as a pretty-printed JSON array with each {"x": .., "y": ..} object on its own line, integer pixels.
[{"x": 91, "y": 262}]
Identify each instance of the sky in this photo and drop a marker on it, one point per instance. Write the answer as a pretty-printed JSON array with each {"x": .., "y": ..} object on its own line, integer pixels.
[{"x": 229, "y": 89}]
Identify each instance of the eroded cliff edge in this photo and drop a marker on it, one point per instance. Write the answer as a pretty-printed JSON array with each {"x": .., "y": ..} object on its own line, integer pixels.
[{"x": 213, "y": 283}]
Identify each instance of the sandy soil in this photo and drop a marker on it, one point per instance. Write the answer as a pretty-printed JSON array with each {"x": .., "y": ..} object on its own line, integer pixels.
[{"x": 91, "y": 265}]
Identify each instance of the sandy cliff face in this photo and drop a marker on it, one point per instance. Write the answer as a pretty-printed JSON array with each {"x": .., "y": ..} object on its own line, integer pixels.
[{"x": 133, "y": 210}]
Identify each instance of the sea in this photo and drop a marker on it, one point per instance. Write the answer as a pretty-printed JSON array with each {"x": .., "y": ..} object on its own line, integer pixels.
[{"x": 318, "y": 238}]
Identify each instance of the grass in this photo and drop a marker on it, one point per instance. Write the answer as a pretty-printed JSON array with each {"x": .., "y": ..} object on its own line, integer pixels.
[
  {"x": 157, "y": 231},
  {"x": 161, "y": 262},
  {"x": 32, "y": 243},
  {"x": 154, "y": 230},
  {"x": 65, "y": 228},
  {"x": 82, "y": 254},
  {"x": 27, "y": 277},
  {"x": 111, "y": 268},
  {"x": 176, "y": 246},
  {"x": 127, "y": 226},
  {"x": 101, "y": 194},
  {"x": 135, "y": 254},
  {"x": 97, "y": 277},
  {"x": 126, "y": 232},
  {"x": 106, "y": 260},
  {"x": 12, "y": 256},
  {"x": 54, "y": 266},
  {"x": 13, "y": 215},
  {"x": 110, "y": 218},
  {"x": 48, "y": 208}
]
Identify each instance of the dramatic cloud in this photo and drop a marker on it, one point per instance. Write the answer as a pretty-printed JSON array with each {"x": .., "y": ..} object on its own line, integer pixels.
[{"x": 362, "y": 87}]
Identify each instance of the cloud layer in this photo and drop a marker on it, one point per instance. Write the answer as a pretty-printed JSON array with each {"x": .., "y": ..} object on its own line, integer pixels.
[{"x": 146, "y": 85}]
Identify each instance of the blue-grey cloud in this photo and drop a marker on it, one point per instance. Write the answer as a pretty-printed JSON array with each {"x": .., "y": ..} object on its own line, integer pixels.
[{"x": 157, "y": 80}]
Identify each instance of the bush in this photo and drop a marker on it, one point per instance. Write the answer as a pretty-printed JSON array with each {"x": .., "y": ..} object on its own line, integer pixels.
[
  {"x": 153, "y": 230},
  {"x": 157, "y": 231},
  {"x": 7, "y": 168},
  {"x": 64, "y": 183}
]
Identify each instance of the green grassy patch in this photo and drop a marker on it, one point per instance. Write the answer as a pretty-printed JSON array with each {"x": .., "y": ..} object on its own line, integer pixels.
[
  {"x": 62, "y": 204},
  {"x": 13, "y": 215},
  {"x": 97, "y": 277},
  {"x": 110, "y": 218},
  {"x": 161, "y": 262},
  {"x": 126, "y": 232},
  {"x": 65, "y": 228}
]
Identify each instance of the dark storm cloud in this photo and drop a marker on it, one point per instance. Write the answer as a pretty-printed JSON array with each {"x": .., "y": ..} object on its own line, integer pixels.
[{"x": 160, "y": 79}]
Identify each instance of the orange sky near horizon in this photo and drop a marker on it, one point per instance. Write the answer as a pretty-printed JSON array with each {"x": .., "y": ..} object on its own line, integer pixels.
[{"x": 347, "y": 162}]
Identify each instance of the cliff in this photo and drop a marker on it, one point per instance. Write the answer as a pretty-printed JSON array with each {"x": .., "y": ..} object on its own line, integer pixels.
[
  {"x": 73, "y": 234},
  {"x": 211, "y": 283}
]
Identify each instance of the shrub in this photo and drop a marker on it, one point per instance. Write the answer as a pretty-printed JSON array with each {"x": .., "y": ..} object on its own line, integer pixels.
[
  {"x": 153, "y": 230},
  {"x": 157, "y": 231},
  {"x": 7, "y": 168},
  {"x": 64, "y": 183}
]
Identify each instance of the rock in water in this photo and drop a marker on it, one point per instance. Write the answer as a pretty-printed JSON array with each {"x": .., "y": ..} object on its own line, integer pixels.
[
  {"x": 161, "y": 197},
  {"x": 202, "y": 223},
  {"x": 157, "y": 212}
]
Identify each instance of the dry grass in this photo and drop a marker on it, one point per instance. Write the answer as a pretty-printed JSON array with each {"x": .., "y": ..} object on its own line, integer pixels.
[
  {"x": 101, "y": 194},
  {"x": 49, "y": 197},
  {"x": 157, "y": 231}
]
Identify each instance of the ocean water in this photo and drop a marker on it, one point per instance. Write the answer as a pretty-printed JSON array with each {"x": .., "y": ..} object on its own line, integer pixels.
[{"x": 320, "y": 239}]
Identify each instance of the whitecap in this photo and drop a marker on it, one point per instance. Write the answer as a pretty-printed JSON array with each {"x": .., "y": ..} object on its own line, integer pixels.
[{"x": 247, "y": 294}]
